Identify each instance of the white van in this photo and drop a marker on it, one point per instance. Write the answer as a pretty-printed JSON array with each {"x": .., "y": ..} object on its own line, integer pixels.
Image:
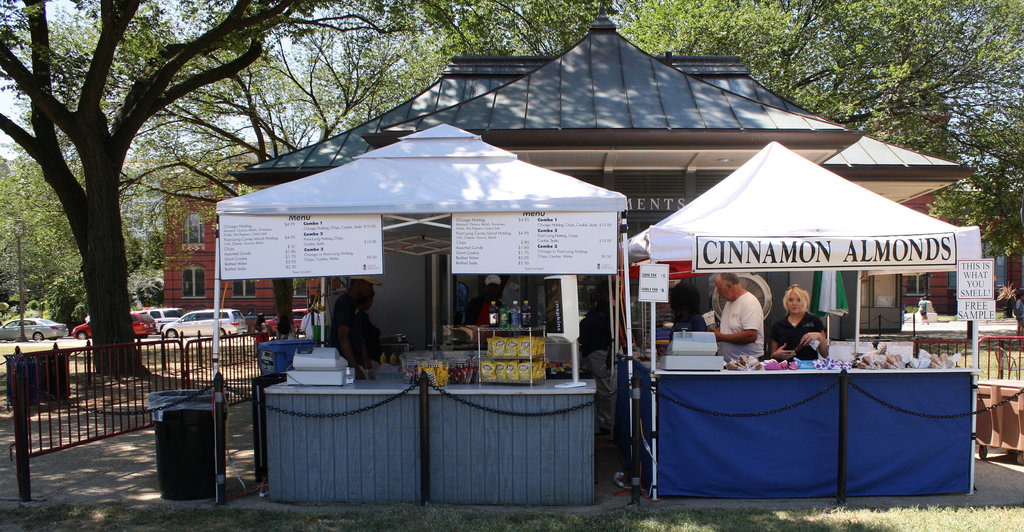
[
  {"x": 163, "y": 316},
  {"x": 201, "y": 322}
]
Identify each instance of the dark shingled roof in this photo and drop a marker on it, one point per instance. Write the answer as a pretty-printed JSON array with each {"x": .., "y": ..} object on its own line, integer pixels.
[{"x": 605, "y": 82}]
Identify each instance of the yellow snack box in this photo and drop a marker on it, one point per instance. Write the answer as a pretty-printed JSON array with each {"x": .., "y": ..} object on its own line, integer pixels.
[
  {"x": 525, "y": 347},
  {"x": 511, "y": 371},
  {"x": 512, "y": 347},
  {"x": 496, "y": 346},
  {"x": 539, "y": 368},
  {"x": 525, "y": 370},
  {"x": 487, "y": 371},
  {"x": 499, "y": 370}
]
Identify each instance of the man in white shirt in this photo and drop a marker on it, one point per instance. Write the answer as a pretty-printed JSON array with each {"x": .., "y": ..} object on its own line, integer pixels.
[{"x": 742, "y": 328}]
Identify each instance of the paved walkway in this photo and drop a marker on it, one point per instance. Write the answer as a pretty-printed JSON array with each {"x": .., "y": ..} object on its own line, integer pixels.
[{"x": 122, "y": 470}]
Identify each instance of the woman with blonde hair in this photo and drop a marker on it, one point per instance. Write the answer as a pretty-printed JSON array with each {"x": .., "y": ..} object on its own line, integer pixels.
[{"x": 799, "y": 334}]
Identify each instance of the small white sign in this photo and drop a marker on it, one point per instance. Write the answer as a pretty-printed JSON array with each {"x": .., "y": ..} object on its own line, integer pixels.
[
  {"x": 283, "y": 246},
  {"x": 975, "y": 279},
  {"x": 535, "y": 242},
  {"x": 976, "y": 309},
  {"x": 654, "y": 283}
]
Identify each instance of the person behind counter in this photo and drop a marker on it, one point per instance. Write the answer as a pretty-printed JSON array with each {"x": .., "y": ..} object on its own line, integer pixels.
[
  {"x": 347, "y": 329},
  {"x": 595, "y": 356},
  {"x": 742, "y": 329},
  {"x": 685, "y": 302},
  {"x": 799, "y": 334},
  {"x": 478, "y": 308}
]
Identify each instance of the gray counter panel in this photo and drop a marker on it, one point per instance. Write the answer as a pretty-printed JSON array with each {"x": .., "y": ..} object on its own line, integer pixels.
[{"x": 477, "y": 457}]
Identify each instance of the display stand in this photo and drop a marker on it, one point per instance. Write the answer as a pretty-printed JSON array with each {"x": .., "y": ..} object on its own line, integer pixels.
[{"x": 528, "y": 363}]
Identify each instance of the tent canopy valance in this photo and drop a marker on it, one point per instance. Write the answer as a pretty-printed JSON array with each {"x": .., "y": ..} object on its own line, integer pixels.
[{"x": 781, "y": 211}]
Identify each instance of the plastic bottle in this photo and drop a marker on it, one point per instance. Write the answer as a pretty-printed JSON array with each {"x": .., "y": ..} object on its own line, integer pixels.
[
  {"x": 525, "y": 315},
  {"x": 493, "y": 318},
  {"x": 504, "y": 316},
  {"x": 514, "y": 315}
]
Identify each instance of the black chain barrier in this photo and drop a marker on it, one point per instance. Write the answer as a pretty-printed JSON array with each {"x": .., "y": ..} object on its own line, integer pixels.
[
  {"x": 342, "y": 414},
  {"x": 934, "y": 416},
  {"x": 184, "y": 399},
  {"x": 748, "y": 414},
  {"x": 445, "y": 393}
]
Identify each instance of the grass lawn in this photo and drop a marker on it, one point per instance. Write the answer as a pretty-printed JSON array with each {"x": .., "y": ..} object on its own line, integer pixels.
[{"x": 410, "y": 518}]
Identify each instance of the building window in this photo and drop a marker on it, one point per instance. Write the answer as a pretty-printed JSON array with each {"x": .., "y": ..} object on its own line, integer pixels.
[
  {"x": 917, "y": 285},
  {"x": 192, "y": 230},
  {"x": 300, "y": 288},
  {"x": 244, "y": 288},
  {"x": 193, "y": 282}
]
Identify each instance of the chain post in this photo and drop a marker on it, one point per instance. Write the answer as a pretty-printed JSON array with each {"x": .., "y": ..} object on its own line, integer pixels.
[
  {"x": 844, "y": 392},
  {"x": 219, "y": 435},
  {"x": 635, "y": 473},
  {"x": 424, "y": 382},
  {"x": 21, "y": 428}
]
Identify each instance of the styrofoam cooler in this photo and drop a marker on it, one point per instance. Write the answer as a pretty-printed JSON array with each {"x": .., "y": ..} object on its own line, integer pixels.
[{"x": 276, "y": 356}]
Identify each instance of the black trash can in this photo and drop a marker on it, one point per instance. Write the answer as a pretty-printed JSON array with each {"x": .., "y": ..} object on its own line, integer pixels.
[{"x": 185, "y": 466}]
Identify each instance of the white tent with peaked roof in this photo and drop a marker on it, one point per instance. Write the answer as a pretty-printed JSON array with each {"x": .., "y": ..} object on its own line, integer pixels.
[{"x": 780, "y": 196}]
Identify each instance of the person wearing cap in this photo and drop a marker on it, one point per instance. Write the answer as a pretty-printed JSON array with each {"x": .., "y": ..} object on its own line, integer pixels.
[
  {"x": 478, "y": 308},
  {"x": 348, "y": 331}
]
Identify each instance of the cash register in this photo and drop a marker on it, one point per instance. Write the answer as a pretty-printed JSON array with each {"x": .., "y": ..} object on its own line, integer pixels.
[
  {"x": 692, "y": 351},
  {"x": 317, "y": 366}
]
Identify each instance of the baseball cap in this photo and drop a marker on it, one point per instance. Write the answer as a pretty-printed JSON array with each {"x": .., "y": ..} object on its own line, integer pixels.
[
  {"x": 368, "y": 278},
  {"x": 492, "y": 279}
]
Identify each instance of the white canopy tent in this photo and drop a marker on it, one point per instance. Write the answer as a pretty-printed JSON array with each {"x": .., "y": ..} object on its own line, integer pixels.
[
  {"x": 416, "y": 185},
  {"x": 779, "y": 195},
  {"x": 780, "y": 211}
]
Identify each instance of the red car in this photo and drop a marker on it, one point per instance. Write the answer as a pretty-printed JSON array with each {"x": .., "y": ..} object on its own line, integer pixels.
[
  {"x": 297, "y": 315},
  {"x": 143, "y": 325}
]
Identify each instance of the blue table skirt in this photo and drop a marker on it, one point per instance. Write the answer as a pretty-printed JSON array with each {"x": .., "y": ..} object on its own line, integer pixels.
[{"x": 794, "y": 453}]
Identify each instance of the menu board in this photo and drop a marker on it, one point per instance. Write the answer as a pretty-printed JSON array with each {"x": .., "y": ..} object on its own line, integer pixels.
[
  {"x": 268, "y": 247},
  {"x": 534, "y": 242}
]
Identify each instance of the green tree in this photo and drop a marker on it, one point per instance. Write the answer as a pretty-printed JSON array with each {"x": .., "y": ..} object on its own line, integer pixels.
[
  {"x": 940, "y": 76},
  {"x": 94, "y": 75}
]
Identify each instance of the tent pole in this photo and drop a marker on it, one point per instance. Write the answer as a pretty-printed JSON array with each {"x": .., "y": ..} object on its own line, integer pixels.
[{"x": 856, "y": 321}]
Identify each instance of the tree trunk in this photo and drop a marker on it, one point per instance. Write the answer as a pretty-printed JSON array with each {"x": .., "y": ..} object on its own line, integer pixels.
[{"x": 106, "y": 271}]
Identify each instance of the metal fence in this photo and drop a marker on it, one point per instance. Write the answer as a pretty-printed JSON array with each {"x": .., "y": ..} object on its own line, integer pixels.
[
  {"x": 80, "y": 395},
  {"x": 999, "y": 357}
]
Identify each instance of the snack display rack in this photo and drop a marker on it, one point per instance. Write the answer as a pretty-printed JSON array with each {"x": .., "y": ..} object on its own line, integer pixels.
[{"x": 528, "y": 362}]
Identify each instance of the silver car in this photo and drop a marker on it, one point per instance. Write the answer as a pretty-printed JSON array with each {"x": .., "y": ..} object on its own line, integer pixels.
[
  {"x": 201, "y": 322},
  {"x": 163, "y": 316},
  {"x": 37, "y": 329}
]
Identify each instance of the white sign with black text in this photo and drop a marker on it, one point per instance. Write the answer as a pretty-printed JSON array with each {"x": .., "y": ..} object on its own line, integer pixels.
[
  {"x": 535, "y": 242},
  {"x": 295, "y": 246},
  {"x": 976, "y": 309},
  {"x": 975, "y": 279},
  {"x": 653, "y": 283}
]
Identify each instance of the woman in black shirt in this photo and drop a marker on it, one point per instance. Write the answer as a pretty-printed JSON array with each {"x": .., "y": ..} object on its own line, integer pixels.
[{"x": 799, "y": 334}]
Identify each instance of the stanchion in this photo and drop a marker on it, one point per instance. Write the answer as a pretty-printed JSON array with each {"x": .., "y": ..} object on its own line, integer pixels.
[
  {"x": 844, "y": 390},
  {"x": 424, "y": 439},
  {"x": 21, "y": 401},
  {"x": 220, "y": 438},
  {"x": 635, "y": 473}
]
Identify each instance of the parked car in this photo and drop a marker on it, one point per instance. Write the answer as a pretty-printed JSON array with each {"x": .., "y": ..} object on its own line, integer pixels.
[
  {"x": 38, "y": 329},
  {"x": 202, "y": 322},
  {"x": 163, "y": 316},
  {"x": 143, "y": 325},
  {"x": 297, "y": 315}
]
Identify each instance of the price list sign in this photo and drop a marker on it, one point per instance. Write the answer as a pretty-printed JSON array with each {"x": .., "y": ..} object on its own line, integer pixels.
[
  {"x": 534, "y": 242},
  {"x": 268, "y": 247}
]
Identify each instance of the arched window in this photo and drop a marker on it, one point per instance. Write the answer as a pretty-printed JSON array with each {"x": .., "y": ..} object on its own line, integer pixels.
[
  {"x": 193, "y": 282},
  {"x": 192, "y": 230}
]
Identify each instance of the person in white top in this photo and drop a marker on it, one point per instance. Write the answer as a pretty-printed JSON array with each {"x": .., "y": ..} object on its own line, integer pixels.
[{"x": 742, "y": 328}]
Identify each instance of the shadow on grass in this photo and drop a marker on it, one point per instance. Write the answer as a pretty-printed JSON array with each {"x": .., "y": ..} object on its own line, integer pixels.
[{"x": 410, "y": 518}]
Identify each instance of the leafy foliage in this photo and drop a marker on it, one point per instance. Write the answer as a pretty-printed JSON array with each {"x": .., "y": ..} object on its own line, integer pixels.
[{"x": 936, "y": 76}]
